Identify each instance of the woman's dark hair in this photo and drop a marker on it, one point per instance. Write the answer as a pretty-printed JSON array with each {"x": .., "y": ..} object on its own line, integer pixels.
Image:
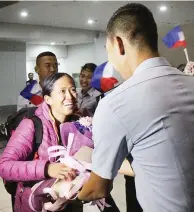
[
  {"x": 89, "y": 67},
  {"x": 50, "y": 81}
]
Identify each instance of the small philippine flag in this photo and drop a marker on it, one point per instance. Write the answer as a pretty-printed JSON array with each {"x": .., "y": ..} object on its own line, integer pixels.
[
  {"x": 175, "y": 38},
  {"x": 105, "y": 78}
]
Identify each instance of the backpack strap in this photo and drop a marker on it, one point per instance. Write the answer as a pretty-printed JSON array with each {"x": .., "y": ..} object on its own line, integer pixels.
[
  {"x": 38, "y": 132},
  {"x": 38, "y": 135}
]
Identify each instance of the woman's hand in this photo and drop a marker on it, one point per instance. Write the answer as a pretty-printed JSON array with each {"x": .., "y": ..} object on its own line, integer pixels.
[{"x": 61, "y": 171}]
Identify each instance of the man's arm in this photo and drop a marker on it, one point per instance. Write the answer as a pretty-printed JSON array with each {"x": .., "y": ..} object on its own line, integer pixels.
[
  {"x": 110, "y": 141},
  {"x": 95, "y": 188}
]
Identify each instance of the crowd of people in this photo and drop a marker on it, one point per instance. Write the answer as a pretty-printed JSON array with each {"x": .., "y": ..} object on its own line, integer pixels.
[{"x": 142, "y": 128}]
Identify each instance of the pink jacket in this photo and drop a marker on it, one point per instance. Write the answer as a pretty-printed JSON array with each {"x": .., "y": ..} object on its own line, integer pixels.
[{"x": 13, "y": 164}]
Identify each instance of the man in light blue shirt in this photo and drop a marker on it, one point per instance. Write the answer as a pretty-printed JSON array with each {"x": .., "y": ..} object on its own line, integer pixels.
[{"x": 151, "y": 116}]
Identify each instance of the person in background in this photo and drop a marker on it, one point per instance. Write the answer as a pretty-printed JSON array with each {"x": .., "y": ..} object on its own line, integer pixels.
[
  {"x": 30, "y": 77},
  {"x": 150, "y": 116},
  {"x": 87, "y": 96},
  {"x": 31, "y": 95}
]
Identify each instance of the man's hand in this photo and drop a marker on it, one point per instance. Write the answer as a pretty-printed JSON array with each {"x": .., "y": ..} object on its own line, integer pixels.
[{"x": 95, "y": 188}]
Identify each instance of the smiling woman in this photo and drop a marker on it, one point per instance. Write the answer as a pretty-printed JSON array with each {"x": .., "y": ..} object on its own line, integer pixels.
[{"x": 59, "y": 93}]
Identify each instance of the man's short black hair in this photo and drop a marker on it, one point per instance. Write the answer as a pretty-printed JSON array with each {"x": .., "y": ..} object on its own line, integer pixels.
[
  {"x": 136, "y": 22},
  {"x": 89, "y": 67},
  {"x": 43, "y": 54}
]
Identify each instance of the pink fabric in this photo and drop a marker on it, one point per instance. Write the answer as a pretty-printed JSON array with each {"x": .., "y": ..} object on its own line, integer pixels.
[
  {"x": 13, "y": 164},
  {"x": 68, "y": 189},
  {"x": 79, "y": 139}
]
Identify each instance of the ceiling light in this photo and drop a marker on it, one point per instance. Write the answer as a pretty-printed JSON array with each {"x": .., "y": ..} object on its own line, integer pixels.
[
  {"x": 163, "y": 8},
  {"x": 24, "y": 14},
  {"x": 90, "y": 21},
  {"x": 52, "y": 43}
]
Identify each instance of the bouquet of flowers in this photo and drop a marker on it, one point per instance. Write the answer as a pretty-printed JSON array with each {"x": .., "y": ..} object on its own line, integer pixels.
[
  {"x": 76, "y": 153},
  {"x": 82, "y": 130}
]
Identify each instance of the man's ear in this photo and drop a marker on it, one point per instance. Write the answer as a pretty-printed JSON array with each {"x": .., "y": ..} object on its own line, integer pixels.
[
  {"x": 48, "y": 100},
  {"x": 120, "y": 45},
  {"x": 36, "y": 69}
]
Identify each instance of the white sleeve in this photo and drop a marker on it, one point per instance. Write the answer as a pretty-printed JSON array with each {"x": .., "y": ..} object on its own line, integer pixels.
[{"x": 22, "y": 102}]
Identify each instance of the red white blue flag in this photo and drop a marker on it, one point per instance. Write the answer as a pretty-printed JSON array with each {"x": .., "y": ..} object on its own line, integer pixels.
[
  {"x": 175, "y": 38},
  {"x": 105, "y": 78}
]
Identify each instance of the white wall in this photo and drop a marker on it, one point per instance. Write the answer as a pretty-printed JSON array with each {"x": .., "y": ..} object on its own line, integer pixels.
[
  {"x": 32, "y": 51},
  {"x": 78, "y": 55},
  {"x": 12, "y": 71},
  {"x": 71, "y": 58}
]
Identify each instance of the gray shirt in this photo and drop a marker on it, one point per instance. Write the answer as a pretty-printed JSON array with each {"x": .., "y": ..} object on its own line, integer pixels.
[
  {"x": 151, "y": 116},
  {"x": 87, "y": 102}
]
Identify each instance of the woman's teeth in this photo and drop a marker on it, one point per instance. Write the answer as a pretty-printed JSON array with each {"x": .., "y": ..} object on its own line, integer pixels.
[{"x": 68, "y": 104}]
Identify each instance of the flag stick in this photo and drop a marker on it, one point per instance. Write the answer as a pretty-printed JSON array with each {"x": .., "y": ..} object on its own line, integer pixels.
[{"x": 186, "y": 54}]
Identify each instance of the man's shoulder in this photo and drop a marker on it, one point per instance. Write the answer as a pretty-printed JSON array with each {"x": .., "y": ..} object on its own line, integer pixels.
[
  {"x": 116, "y": 93},
  {"x": 144, "y": 77}
]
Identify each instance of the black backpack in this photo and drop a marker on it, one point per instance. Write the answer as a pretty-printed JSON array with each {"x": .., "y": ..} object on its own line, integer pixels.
[{"x": 11, "y": 125}]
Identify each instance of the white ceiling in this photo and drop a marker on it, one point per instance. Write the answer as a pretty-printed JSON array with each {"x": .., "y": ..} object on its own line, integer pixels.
[{"x": 74, "y": 14}]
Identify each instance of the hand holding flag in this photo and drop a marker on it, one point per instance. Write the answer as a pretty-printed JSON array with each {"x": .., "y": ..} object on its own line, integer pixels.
[{"x": 189, "y": 69}]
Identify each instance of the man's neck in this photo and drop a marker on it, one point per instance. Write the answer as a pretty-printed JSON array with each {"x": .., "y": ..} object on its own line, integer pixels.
[{"x": 140, "y": 58}]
